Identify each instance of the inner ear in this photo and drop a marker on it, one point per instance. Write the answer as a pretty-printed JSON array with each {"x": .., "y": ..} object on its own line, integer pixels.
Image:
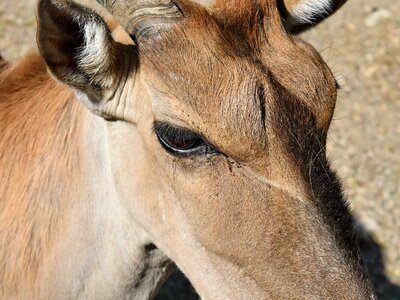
[{"x": 77, "y": 46}]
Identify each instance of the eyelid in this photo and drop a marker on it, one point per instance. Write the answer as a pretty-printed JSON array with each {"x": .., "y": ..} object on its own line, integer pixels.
[{"x": 162, "y": 129}]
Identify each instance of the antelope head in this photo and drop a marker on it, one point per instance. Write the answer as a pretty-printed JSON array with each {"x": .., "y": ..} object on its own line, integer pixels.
[{"x": 216, "y": 117}]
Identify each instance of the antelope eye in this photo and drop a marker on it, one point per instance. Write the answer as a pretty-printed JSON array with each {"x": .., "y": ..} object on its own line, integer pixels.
[{"x": 181, "y": 141}]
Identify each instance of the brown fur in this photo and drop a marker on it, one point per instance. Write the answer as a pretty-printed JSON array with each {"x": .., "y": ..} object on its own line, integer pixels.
[
  {"x": 264, "y": 218},
  {"x": 36, "y": 115},
  {"x": 285, "y": 143},
  {"x": 260, "y": 51}
]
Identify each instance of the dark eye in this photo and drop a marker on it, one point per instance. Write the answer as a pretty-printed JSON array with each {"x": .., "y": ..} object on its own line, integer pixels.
[{"x": 181, "y": 141}]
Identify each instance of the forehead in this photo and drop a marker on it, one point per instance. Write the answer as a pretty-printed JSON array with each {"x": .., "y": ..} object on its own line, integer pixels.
[
  {"x": 217, "y": 75},
  {"x": 209, "y": 75}
]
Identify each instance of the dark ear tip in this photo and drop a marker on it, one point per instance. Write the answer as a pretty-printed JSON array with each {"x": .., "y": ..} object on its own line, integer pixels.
[
  {"x": 58, "y": 34},
  {"x": 46, "y": 6}
]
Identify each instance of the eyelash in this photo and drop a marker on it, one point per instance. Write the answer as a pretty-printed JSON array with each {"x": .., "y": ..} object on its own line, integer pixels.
[{"x": 172, "y": 137}]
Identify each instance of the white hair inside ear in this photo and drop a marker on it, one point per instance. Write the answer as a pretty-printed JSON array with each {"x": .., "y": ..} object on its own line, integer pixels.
[
  {"x": 299, "y": 15},
  {"x": 309, "y": 11},
  {"x": 93, "y": 57}
]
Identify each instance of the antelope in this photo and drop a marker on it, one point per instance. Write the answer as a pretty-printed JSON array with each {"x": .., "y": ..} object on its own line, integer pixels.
[{"x": 168, "y": 133}]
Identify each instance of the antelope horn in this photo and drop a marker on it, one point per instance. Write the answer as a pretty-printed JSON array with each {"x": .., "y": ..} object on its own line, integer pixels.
[{"x": 143, "y": 17}]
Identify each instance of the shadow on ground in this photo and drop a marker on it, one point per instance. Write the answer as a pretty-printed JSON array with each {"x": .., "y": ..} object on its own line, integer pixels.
[
  {"x": 178, "y": 286},
  {"x": 373, "y": 257}
]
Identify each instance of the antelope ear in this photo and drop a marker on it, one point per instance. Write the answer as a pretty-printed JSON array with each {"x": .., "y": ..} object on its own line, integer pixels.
[
  {"x": 300, "y": 15},
  {"x": 79, "y": 50}
]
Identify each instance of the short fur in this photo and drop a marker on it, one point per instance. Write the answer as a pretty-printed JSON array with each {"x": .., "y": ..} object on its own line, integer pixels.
[
  {"x": 91, "y": 206},
  {"x": 24, "y": 114}
]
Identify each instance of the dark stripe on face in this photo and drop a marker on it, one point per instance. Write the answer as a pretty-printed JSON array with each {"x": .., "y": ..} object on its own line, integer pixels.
[
  {"x": 260, "y": 97},
  {"x": 306, "y": 143}
]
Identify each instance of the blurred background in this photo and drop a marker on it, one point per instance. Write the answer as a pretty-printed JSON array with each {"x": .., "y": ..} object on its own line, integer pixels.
[{"x": 361, "y": 43}]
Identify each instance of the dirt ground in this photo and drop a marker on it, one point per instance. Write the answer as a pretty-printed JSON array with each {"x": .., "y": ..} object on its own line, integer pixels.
[{"x": 361, "y": 43}]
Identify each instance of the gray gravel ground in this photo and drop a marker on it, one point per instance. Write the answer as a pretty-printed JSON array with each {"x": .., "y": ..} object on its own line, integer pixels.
[{"x": 361, "y": 43}]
